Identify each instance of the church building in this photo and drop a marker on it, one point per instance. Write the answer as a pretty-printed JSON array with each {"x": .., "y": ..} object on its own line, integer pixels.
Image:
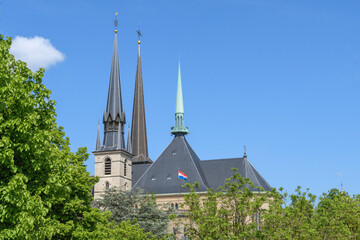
[{"x": 126, "y": 165}]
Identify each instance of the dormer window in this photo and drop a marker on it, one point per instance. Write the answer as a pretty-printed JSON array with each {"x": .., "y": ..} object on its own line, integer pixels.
[
  {"x": 107, "y": 166},
  {"x": 153, "y": 178}
]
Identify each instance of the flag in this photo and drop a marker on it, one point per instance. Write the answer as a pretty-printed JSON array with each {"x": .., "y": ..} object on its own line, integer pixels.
[{"x": 182, "y": 175}]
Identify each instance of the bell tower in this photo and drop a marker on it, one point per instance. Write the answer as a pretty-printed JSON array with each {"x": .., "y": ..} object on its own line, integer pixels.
[{"x": 113, "y": 162}]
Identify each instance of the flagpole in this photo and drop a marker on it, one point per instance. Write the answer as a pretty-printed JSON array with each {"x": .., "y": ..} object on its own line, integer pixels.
[{"x": 178, "y": 185}]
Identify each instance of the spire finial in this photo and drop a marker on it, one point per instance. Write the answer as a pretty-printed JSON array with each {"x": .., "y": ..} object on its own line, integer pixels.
[
  {"x": 245, "y": 151},
  {"x": 342, "y": 189},
  {"x": 179, "y": 110},
  {"x": 116, "y": 22},
  {"x": 139, "y": 34}
]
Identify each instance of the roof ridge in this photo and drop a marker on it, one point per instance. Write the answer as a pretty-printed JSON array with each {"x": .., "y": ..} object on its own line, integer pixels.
[
  {"x": 219, "y": 159},
  {"x": 196, "y": 167},
  {"x": 258, "y": 174}
]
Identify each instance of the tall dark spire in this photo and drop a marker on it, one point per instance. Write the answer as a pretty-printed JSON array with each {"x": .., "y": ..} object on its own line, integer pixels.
[
  {"x": 138, "y": 126},
  {"x": 114, "y": 117}
]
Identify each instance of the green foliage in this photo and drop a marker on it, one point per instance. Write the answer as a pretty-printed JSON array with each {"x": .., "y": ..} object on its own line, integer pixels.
[
  {"x": 293, "y": 221},
  {"x": 132, "y": 206},
  {"x": 338, "y": 216},
  {"x": 226, "y": 214},
  {"x": 44, "y": 187},
  {"x": 229, "y": 213}
]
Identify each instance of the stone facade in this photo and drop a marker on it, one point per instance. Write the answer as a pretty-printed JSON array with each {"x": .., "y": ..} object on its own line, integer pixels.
[{"x": 120, "y": 171}]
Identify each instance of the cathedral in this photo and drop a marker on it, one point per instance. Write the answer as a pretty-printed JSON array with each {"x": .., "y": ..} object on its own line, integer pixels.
[{"x": 126, "y": 165}]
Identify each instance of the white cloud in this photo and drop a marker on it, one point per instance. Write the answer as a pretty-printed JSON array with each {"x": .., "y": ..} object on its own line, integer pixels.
[{"x": 36, "y": 52}]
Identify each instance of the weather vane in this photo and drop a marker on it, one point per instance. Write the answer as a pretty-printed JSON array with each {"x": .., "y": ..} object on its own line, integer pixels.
[
  {"x": 116, "y": 21},
  {"x": 139, "y": 33}
]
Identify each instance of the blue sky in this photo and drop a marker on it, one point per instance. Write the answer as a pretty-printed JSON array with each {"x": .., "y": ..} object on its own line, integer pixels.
[{"x": 281, "y": 77}]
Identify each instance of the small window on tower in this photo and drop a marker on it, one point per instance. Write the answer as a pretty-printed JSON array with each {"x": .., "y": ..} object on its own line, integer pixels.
[
  {"x": 125, "y": 163},
  {"x": 107, "y": 166},
  {"x": 107, "y": 185}
]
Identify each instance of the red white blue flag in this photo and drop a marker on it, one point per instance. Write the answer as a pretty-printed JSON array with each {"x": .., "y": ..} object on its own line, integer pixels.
[{"x": 182, "y": 175}]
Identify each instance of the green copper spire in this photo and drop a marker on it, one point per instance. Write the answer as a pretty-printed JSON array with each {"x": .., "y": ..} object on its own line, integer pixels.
[
  {"x": 179, "y": 98},
  {"x": 179, "y": 128}
]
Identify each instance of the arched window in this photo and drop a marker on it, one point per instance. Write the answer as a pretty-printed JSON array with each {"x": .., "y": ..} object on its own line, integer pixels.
[
  {"x": 125, "y": 163},
  {"x": 176, "y": 206},
  {"x": 107, "y": 185},
  {"x": 107, "y": 166}
]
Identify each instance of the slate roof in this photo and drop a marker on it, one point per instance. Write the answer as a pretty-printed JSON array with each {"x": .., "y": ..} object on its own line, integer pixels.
[
  {"x": 138, "y": 170},
  {"x": 216, "y": 171},
  {"x": 161, "y": 177}
]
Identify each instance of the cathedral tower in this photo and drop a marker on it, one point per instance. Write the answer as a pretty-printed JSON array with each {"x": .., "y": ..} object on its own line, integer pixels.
[{"x": 113, "y": 163}]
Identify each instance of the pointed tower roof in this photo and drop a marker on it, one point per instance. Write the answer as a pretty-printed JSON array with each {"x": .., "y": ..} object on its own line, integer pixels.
[
  {"x": 179, "y": 108},
  {"x": 179, "y": 128},
  {"x": 129, "y": 145},
  {"x": 114, "y": 105},
  {"x": 114, "y": 117},
  {"x": 138, "y": 126},
  {"x": 98, "y": 141}
]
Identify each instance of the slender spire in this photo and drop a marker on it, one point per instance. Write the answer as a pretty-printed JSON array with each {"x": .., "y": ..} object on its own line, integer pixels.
[
  {"x": 138, "y": 126},
  {"x": 179, "y": 128},
  {"x": 129, "y": 145},
  {"x": 98, "y": 141},
  {"x": 114, "y": 117}
]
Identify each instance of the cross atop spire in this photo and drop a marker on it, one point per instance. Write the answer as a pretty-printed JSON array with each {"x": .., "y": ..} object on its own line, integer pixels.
[
  {"x": 139, "y": 33},
  {"x": 139, "y": 36},
  {"x": 116, "y": 22},
  {"x": 179, "y": 128}
]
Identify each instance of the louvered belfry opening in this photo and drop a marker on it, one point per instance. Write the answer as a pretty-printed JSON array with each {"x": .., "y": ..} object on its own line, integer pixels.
[
  {"x": 125, "y": 163},
  {"x": 107, "y": 166}
]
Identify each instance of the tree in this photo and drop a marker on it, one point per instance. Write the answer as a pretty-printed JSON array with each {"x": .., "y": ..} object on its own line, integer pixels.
[
  {"x": 133, "y": 206},
  {"x": 338, "y": 216},
  {"x": 236, "y": 212},
  {"x": 290, "y": 221},
  {"x": 44, "y": 187},
  {"x": 231, "y": 213}
]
